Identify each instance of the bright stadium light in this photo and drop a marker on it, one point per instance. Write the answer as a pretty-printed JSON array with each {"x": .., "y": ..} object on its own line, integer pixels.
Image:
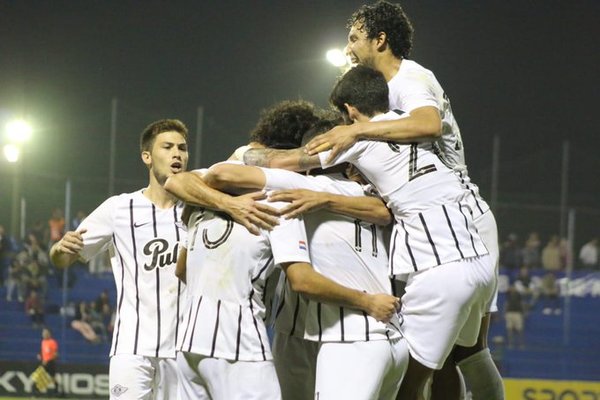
[
  {"x": 337, "y": 57},
  {"x": 11, "y": 152},
  {"x": 18, "y": 131}
]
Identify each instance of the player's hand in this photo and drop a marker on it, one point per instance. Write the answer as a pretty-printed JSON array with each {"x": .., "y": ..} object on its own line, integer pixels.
[
  {"x": 301, "y": 201},
  {"x": 71, "y": 242},
  {"x": 338, "y": 139},
  {"x": 254, "y": 216},
  {"x": 382, "y": 306}
]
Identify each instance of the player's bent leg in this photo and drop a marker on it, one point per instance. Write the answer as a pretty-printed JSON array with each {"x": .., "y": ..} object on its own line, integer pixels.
[
  {"x": 415, "y": 379},
  {"x": 295, "y": 362},
  {"x": 447, "y": 382},
  {"x": 131, "y": 377},
  {"x": 357, "y": 370},
  {"x": 190, "y": 384},
  {"x": 239, "y": 380}
]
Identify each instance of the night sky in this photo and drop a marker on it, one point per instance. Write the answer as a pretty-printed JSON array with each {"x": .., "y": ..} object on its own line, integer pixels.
[{"x": 526, "y": 71}]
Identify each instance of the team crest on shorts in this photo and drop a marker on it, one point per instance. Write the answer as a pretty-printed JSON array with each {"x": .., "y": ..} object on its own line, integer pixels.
[{"x": 118, "y": 390}]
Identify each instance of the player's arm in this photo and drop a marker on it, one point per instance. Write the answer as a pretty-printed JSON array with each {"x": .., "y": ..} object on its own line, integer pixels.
[
  {"x": 366, "y": 208},
  {"x": 423, "y": 124},
  {"x": 234, "y": 178},
  {"x": 66, "y": 251},
  {"x": 304, "y": 279},
  {"x": 180, "y": 267},
  {"x": 191, "y": 188},
  {"x": 292, "y": 160}
]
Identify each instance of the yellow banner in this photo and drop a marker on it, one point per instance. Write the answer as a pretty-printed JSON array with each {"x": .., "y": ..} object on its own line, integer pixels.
[{"x": 526, "y": 389}]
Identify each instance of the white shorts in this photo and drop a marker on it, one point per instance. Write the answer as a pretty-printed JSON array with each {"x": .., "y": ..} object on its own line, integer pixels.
[
  {"x": 488, "y": 231},
  {"x": 140, "y": 377},
  {"x": 361, "y": 370},
  {"x": 203, "y": 377},
  {"x": 296, "y": 362},
  {"x": 443, "y": 306}
]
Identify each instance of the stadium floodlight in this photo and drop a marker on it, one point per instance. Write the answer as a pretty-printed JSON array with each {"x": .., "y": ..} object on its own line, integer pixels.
[
  {"x": 12, "y": 153},
  {"x": 337, "y": 57},
  {"x": 18, "y": 131}
]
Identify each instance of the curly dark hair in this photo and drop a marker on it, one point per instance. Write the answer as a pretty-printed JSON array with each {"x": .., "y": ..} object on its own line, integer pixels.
[
  {"x": 389, "y": 18},
  {"x": 283, "y": 124}
]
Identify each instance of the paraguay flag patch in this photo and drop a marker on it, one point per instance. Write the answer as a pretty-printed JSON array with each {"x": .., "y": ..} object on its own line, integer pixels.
[{"x": 302, "y": 244}]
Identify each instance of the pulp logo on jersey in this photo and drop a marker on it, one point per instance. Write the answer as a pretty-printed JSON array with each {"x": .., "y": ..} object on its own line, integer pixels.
[
  {"x": 158, "y": 249},
  {"x": 118, "y": 390},
  {"x": 302, "y": 245}
]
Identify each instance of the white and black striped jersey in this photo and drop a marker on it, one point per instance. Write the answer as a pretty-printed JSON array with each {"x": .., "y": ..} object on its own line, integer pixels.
[
  {"x": 351, "y": 252},
  {"x": 414, "y": 86},
  {"x": 227, "y": 270},
  {"x": 434, "y": 222},
  {"x": 143, "y": 243}
]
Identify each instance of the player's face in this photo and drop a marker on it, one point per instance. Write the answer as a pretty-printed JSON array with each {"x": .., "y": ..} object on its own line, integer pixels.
[
  {"x": 360, "y": 49},
  {"x": 169, "y": 155}
]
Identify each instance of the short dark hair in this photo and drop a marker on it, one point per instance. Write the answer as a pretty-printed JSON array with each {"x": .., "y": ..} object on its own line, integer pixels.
[
  {"x": 283, "y": 124},
  {"x": 361, "y": 87},
  {"x": 389, "y": 18},
  {"x": 332, "y": 120},
  {"x": 150, "y": 133}
]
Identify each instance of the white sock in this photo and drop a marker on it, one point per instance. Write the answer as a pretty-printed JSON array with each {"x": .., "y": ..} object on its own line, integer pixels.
[{"x": 482, "y": 377}]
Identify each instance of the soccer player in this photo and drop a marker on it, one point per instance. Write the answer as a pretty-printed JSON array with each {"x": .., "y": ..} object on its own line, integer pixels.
[
  {"x": 435, "y": 245},
  {"x": 358, "y": 357},
  {"x": 381, "y": 37},
  {"x": 142, "y": 231}
]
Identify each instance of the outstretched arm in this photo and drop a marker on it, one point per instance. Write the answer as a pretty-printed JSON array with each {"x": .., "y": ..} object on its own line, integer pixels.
[
  {"x": 292, "y": 160},
  {"x": 365, "y": 208},
  {"x": 304, "y": 279},
  {"x": 191, "y": 188},
  {"x": 423, "y": 124}
]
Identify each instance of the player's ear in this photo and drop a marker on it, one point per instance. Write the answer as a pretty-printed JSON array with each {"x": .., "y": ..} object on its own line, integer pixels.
[
  {"x": 147, "y": 158},
  {"x": 381, "y": 41},
  {"x": 352, "y": 112}
]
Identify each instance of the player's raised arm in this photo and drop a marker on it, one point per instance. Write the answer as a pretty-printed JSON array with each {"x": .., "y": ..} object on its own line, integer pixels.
[
  {"x": 292, "y": 160},
  {"x": 66, "y": 251},
  {"x": 304, "y": 279},
  {"x": 366, "y": 208},
  {"x": 191, "y": 188},
  {"x": 234, "y": 178}
]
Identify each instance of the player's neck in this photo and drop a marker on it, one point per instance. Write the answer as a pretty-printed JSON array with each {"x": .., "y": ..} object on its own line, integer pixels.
[
  {"x": 156, "y": 193},
  {"x": 388, "y": 65}
]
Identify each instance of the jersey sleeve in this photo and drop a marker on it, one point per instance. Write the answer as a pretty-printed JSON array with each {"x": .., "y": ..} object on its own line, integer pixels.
[
  {"x": 350, "y": 155},
  {"x": 288, "y": 240},
  {"x": 100, "y": 229},
  {"x": 417, "y": 91}
]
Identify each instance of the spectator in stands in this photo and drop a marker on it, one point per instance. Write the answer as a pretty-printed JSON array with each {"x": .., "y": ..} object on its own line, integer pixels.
[
  {"x": 525, "y": 285},
  {"x": 80, "y": 216},
  {"x": 4, "y": 253},
  {"x": 15, "y": 281},
  {"x": 34, "y": 307},
  {"x": 96, "y": 321},
  {"x": 510, "y": 253},
  {"x": 552, "y": 255},
  {"x": 531, "y": 251},
  {"x": 56, "y": 227},
  {"x": 550, "y": 292},
  {"x": 515, "y": 318},
  {"x": 36, "y": 251},
  {"x": 81, "y": 324},
  {"x": 49, "y": 355},
  {"x": 36, "y": 279},
  {"x": 39, "y": 232},
  {"x": 103, "y": 306},
  {"x": 588, "y": 255}
]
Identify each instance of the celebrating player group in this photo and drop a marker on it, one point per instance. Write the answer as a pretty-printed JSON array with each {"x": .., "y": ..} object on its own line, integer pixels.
[{"x": 339, "y": 254}]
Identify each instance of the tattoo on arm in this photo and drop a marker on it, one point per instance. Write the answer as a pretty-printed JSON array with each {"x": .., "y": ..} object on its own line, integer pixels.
[
  {"x": 259, "y": 157},
  {"x": 294, "y": 159}
]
